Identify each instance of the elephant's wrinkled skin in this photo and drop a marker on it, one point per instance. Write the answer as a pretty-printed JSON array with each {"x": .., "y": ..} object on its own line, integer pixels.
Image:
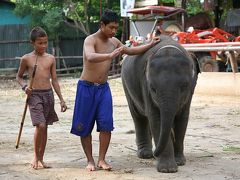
[{"x": 159, "y": 86}]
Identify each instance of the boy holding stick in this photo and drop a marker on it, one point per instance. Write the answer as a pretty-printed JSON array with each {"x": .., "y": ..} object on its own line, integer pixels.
[{"x": 40, "y": 96}]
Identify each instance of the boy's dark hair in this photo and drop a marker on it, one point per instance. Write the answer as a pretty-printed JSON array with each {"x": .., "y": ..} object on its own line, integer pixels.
[
  {"x": 109, "y": 16},
  {"x": 37, "y": 32}
]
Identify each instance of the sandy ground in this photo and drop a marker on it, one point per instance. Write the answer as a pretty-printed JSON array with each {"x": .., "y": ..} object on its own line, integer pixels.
[{"x": 212, "y": 143}]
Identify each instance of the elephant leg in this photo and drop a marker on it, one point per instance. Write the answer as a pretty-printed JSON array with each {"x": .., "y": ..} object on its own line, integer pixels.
[
  {"x": 180, "y": 126},
  {"x": 166, "y": 161},
  {"x": 143, "y": 135}
]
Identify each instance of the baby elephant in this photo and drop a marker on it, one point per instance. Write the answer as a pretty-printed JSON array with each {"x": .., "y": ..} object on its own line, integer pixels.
[{"x": 159, "y": 85}]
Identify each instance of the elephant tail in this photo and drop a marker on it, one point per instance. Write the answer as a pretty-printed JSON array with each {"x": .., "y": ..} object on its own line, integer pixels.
[{"x": 165, "y": 133}]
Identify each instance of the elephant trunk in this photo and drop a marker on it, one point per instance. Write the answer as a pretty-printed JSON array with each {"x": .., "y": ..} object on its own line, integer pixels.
[{"x": 166, "y": 124}]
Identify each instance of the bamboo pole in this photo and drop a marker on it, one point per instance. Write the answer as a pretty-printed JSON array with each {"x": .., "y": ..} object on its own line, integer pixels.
[{"x": 26, "y": 104}]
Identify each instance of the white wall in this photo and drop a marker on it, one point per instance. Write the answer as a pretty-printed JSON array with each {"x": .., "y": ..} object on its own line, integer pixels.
[{"x": 144, "y": 27}]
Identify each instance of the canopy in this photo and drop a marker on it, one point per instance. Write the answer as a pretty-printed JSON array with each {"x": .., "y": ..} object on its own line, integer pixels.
[{"x": 166, "y": 10}]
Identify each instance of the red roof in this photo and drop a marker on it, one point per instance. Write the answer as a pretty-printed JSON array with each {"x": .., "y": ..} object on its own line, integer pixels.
[{"x": 155, "y": 10}]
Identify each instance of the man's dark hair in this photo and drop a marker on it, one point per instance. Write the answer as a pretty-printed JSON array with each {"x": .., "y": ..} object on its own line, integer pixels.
[
  {"x": 109, "y": 16},
  {"x": 37, "y": 32}
]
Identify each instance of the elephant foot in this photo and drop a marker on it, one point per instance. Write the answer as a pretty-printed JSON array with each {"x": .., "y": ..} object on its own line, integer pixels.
[
  {"x": 180, "y": 160},
  {"x": 145, "y": 153},
  {"x": 167, "y": 166}
]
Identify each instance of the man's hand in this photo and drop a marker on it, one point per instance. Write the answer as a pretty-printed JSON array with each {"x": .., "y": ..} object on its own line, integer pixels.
[
  {"x": 63, "y": 106},
  {"x": 116, "y": 52},
  {"x": 154, "y": 41}
]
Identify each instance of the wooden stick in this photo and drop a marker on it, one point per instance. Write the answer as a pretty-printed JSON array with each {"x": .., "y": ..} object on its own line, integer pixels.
[{"x": 26, "y": 105}]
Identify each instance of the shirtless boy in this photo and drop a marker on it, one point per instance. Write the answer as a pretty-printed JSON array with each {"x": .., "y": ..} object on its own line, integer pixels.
[
  {"x": 93, "y": 100},
  {"x": 40, "y": 97}
]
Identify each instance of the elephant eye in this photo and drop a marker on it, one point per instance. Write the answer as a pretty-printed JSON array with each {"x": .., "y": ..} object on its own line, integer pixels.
[{"x": 153, "y": 89}]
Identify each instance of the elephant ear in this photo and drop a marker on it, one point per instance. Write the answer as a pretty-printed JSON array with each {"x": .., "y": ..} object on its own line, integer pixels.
[
  {"x": 195, "y": 63},
  {"x": 148, "y": 55},
  {"x": 196, "y": 70}
]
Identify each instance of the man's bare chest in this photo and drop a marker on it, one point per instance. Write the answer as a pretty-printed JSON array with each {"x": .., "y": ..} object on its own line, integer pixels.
[{"x": 104, "y": 47}]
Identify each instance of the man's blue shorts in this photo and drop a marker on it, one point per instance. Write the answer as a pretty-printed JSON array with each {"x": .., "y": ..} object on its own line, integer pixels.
[{"x": 93, "y": 103}]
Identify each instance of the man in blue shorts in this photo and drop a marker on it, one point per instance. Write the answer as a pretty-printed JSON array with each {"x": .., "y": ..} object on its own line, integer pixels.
[{"x": 93, "y": 98}]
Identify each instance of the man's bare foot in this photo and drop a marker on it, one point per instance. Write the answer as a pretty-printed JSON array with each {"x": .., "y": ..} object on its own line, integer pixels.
[
  {"x": 43, "y": 164},
  {"x": 103, "y": 165},
  {"x": 34, "y": 164},
  {"x": 91, "y": 166}
]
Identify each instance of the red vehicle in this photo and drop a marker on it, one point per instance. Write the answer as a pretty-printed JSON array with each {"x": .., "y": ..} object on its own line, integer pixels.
[
  {"x": 209, "y": 46},
  {"x": 215, "y": 42},
  {"x": 210, "y": 39}
]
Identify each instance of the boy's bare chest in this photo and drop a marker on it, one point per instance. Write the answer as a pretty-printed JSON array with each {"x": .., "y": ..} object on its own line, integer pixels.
[
  {"x": 44, "y": 67},
  {"x": 42, "y": 64}
]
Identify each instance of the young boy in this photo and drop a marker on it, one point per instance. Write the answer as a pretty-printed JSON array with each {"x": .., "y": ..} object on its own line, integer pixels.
[
  {"x": 93, "y": 99},
  {"x": 40, "y": 96}
]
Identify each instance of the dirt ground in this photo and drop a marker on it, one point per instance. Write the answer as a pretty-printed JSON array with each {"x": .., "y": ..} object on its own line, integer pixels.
[{"x": 212, "y": 143}]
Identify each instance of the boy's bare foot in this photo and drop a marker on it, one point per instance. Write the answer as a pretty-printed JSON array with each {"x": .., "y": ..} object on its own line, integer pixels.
[
  {"x": 91, "y": 166},
  {"x": 43, "y": 164},
  {"x": 103, "y": 165},
  {"x": 34, "y": 164}
]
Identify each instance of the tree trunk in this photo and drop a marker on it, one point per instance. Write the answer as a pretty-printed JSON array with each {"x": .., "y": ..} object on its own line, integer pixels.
[
  {"x": 87, "y": 3},
  {"x": 57, "y": 42}
]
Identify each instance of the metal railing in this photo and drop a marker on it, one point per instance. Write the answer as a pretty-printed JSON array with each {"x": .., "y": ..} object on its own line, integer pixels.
[
  {"x": 66, "y": 70},
  {"x": 221, "y": 46}
]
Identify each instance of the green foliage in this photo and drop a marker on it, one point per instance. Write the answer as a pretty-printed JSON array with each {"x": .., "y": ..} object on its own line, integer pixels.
[
  {"x": 194, "y": 7},
  {"x": 53, "y": 21},
  {"x": 167, "y": 1},
  {"x": 58, "y": 15},
  {"x": 46, "y": 14}
]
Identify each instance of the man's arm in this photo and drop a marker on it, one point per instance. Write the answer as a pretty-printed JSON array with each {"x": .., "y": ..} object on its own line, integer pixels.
[
  {"x": 140, "y": 49},
  {"x": 56, "y": 86},
  {"x": 92, "y": 56}
]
